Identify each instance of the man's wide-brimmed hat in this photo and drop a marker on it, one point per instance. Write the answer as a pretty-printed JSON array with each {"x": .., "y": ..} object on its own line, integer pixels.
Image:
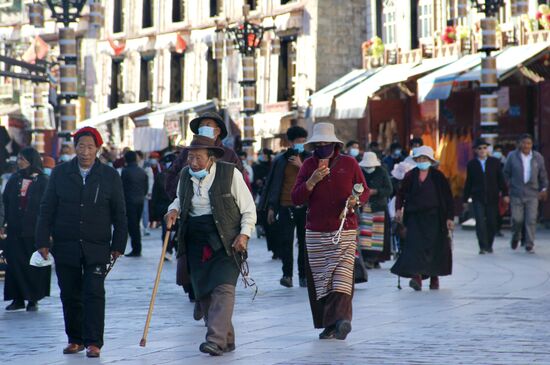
[
  {"x": 195, "y": 123},
  {"x": 481, "y": 142},
  {"x": 324, "y": 132},
  {"x": 202, "y": 142},
  {"x": 425, "y": 151},
  {"x": 369, "y": 160}
]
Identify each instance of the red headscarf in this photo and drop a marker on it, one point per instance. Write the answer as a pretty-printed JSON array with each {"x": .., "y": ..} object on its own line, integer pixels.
[{"x": 94, "y": 132}]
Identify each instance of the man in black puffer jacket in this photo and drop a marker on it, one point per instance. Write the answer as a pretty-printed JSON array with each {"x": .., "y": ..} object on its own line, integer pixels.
[{"x": 83, "y": 210}]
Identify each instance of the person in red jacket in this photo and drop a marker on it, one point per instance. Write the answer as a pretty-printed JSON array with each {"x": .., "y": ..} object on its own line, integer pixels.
[{"x": 325, "y": 183}]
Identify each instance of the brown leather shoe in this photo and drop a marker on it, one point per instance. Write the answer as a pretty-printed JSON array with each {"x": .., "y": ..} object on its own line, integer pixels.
[
  {"x": 73, "y": 348},
  {"x": 92, "y": 351}
]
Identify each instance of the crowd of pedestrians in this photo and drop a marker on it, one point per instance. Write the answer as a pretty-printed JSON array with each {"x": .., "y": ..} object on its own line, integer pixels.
[{"x": 331, "y": 202}]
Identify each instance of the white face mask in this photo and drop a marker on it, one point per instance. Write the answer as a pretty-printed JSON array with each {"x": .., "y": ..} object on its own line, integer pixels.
[{"x": 370, "y": 170}]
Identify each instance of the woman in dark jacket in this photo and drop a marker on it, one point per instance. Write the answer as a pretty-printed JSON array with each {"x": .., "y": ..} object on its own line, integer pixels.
[
  {"x": 374, "y": 232},
  {"x": 425, "y": 197},
  {"x": 22, "y": 202}
]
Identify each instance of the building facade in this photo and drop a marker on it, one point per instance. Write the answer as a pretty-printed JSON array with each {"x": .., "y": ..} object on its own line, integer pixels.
[{"x": 164, "y": 52}]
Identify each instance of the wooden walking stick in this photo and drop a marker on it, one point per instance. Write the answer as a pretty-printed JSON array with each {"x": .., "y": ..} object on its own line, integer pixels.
[{"x": 155, "y": 287}]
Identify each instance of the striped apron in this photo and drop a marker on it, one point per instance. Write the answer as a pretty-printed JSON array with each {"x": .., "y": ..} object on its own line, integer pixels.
[
  {"x": 331, "y": 264},
  {"x": 371, "y": 230}
]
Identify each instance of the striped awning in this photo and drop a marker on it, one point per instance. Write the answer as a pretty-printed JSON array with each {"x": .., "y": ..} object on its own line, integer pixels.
[
  {"x": 122, "y": 110},
  {"x": 321, "y": 101},
  {"x": 438, "y": 84},
  {"x": 510, "y": 60},
  {"x": 352, "y": 103}
]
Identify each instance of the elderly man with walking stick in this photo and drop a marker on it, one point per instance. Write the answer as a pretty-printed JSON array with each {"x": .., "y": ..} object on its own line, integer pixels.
[
  {"x": 83, "y": 210},
  {"x": 217, "y": 215}
]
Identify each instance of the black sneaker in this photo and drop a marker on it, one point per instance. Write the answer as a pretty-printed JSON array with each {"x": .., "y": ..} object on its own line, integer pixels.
[
  {"x": 230, "y": 347},
  {"x": 286, "y": 281},
  {"x": 328, "y": 333},
  {"x": 529, "y": 249},
  {"x": 303, "y": 283},
  {"x": 32, "y": 306},
  {"x": 481, "y": 252},
  {"x": 489, "y": 250},
  {"x": 133, "y": 254},
  {"x": 16, "y": 305},
  {"x": 514, "y": 244},
  {"x": 210, "y": 348},
  {"x": 343, "y": 327}
]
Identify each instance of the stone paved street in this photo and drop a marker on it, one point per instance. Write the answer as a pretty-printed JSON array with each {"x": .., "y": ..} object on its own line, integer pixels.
[{"x": 495, "y": 309}]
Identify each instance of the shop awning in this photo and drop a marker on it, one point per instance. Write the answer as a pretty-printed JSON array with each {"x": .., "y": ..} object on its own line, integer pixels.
[
  {"x": 156, "y": 119},
  {"x": 352, "y": 103},
  {"x": 429, "y": 65},
  {"x": 510, "y": 60},
  {"x": 438, "y": 84},
  {"x": 321, "y": 101},
  {"x": 147, "y": 139},
  {"x": 122, "y": 110},
  {"x": 268, "y": 125}
]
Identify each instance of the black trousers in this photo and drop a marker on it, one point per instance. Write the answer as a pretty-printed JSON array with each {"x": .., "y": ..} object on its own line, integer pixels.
[
  {"x": 133, "y": 213},
  {"x": 291, "y": 218},
  {"x": 83, "y": 298},
  {"x": 486, "y": 216}
]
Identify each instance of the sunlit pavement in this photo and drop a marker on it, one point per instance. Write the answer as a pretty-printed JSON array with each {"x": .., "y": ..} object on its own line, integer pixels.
[{"x": 494, "y": 309}]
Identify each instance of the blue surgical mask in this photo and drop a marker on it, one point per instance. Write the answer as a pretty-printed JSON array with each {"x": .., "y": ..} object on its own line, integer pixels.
[
  {"x": 206, "y": 131},
  {"x": 262, "y": 158},
  {"x": 299, "y": 147},
  {"x": 65, "y": 158},
  {"x": 201, "y": 174},
  {"x": 397, "y": 153},
  {"x": 370, "y": 170},
  {"x": 497, "y": 155},
  {"x": 354, "y": 152},
  {"x": 423, "y": 165},
  {"x": 47, "y": 171}
]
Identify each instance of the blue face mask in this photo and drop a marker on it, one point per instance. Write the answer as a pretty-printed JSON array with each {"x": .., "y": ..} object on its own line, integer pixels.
[
  {"x": 354, "y": 152},
  {"x": 201, "y": 174},
  {"x": 262, "y": 158},
  {"x": 299, "y": 147},
  {"x": 497, "y": 155},
  {"x": 423, "y": 165},
  {"x": 47, "y": 171},
  {"x": 206, "y": 131}
]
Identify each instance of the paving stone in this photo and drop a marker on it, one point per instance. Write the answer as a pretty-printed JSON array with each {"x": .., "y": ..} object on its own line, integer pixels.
[{"x": 494, "y": 309}]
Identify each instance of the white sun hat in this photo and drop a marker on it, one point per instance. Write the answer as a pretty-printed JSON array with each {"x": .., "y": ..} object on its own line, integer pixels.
[
  {"x": 324, "y": 132},
  {"x": 425, "y": 151},
  {"x": 369, "y": 160},
  {"x": 400, "y": 170}
]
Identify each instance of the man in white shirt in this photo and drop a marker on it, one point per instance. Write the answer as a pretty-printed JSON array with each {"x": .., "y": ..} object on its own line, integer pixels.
[
  {"x": 217, "y": 216},
  {"x": 526, "y": 174}
]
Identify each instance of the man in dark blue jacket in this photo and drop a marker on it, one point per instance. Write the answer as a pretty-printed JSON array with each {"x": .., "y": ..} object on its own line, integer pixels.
[
  {"x": 83, "y": 210},
  {"x": 485, "y": 184},
  {"x": 135, "y": 185},
  {"x": 281, "y": 210}
]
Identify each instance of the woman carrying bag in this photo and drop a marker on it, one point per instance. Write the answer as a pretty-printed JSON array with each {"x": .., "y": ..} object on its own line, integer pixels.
[{"x": 22, "y": 202}]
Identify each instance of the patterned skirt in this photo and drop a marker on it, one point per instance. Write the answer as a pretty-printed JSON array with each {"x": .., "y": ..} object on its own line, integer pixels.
[
  {"x": 331, "y": 264},
  {"x": 371, "y": 230}
]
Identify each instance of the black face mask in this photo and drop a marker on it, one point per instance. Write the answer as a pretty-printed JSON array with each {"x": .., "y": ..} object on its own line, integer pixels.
[{"x": 324, "y": 151}]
